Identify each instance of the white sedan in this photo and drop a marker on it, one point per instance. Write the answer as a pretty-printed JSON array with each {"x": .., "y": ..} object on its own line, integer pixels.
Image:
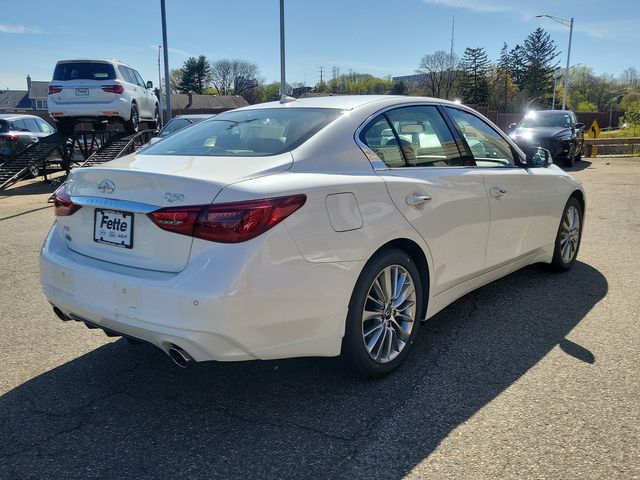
[{"x": 319, "y": 227}]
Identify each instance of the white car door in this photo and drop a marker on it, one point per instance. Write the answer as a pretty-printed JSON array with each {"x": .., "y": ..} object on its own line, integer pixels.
[
  {"x": 142, "y": 95},
  {"x": 428, "y": 181},
  {"x": 520, "y": 200}
]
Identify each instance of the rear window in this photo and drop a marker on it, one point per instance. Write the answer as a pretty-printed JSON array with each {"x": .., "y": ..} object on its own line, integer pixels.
[
  {"x": 4, "y": 126},
  {"x": 247, "y": 133},
  {"x": 84, "y": 71}
]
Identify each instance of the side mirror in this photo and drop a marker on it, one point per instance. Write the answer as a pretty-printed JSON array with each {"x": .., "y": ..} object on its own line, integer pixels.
[
  {"x": 538, "y": 157},
  {"x": 580, "y": 126},
  {"x": 149, "y": 84},
  {"x": 512, "y": 126}
]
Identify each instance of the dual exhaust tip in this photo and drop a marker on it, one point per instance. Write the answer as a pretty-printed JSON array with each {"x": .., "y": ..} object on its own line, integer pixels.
[{"x": 180, "y": 357}]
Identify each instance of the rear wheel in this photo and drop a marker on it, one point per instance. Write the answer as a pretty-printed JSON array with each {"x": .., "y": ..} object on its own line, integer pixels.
[
  {"x": 384, "y": 314},
  {"x": 568, "y": 237},
  {"x": 133, "y": 124}
]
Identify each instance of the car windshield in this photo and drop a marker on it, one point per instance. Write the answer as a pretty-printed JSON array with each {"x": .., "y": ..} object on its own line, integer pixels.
[
  {"x": 173, "y": 126},
  {"x": 542, "y": 119},
  {"x": 84, "y": 71},
  {"x": 247, "y": 133}
]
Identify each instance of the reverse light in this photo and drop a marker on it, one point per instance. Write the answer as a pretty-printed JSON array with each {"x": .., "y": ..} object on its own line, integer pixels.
[
  {"x": 113, "y": 88},
  {"x": 54, "y": 89},
  {"x": 63, "y": 206},
  {"x": 228, "y": 222}
]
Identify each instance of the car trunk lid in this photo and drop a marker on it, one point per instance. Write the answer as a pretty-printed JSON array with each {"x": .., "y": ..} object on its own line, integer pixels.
[{"x": 123, "y": 191}]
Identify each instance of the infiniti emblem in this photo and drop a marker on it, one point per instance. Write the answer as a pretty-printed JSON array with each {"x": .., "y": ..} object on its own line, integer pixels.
[{"x": 106, "y": 186}]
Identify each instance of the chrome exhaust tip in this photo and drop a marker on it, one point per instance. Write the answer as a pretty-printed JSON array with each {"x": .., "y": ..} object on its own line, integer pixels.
[{"x": 180, "y": 357}]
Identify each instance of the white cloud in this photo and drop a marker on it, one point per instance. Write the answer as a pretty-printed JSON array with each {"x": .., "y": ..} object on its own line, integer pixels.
[
  {"x": 5, "y": 28},
  {"x": 481, "y": 6}
]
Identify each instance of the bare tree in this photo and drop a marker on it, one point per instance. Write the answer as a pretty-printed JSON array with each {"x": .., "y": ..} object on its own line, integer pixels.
[
  {"x": 438, "y": 72},
  {"x": 234, "y": 76}
]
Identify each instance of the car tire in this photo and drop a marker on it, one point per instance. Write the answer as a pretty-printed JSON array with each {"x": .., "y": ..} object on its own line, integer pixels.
[
  {"x": 34, "y": 171},
  {"x": 381, "y": 309},
  {"x": 156, "y": 118},
  {"x": 568, "y": 162},
  {"x": 579, "y": 155},
  {"x": 568, "y": 238},
  {"x": 133, "y": 124}
]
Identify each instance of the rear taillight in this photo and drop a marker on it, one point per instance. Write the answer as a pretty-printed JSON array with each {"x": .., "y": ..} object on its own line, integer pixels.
[
  {"x": 54, "y": 89},
  {"x": 63, "y": 206},
  {"x": 228, "y": 222},
  {"x": 13, "y": 137},
  {"x": 113, "y": 88}
]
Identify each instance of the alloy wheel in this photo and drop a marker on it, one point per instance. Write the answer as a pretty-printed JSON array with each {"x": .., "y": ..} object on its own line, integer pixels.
[
  {"x": 570, "y": 234},
  {"x": 389, "y": 313}
]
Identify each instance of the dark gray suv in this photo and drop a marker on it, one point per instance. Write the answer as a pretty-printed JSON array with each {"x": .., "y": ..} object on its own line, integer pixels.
[{"x": 17, "y": 132}]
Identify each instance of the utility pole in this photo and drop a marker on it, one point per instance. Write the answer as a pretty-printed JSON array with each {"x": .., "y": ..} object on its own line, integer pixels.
[
  {"x": 567, "y": 22},
  {"x": 167, "y": 85},
  {"x": 321, "y": 74}
]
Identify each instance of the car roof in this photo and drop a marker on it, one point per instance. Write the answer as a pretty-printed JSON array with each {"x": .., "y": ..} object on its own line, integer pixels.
[
  {"x": 16, "y": 116},
  {"x": 94, "y": 60},
  {"x": 346, "y": 102}
]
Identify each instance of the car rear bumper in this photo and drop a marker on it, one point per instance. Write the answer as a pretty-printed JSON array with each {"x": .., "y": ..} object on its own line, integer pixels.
[
  {"x": 262, "y": 301},
  {"x": 119, "y": 108}
]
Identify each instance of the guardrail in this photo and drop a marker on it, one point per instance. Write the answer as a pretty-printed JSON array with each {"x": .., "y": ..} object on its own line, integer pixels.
[{"x": 611, "y": 146}]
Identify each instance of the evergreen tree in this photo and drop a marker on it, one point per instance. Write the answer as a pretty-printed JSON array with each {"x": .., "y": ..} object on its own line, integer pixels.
[
  {"x": 196, "y": 75},
  {"x": 475, "y": 67},
  {"x": 540, "y": 53},
  {"x": 517, "y": 65}
]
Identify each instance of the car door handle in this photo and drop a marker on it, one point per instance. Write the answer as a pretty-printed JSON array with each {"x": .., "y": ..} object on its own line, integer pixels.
[
  {"x": 497, "y": 192},
  {"x": 415, "y": 200}
]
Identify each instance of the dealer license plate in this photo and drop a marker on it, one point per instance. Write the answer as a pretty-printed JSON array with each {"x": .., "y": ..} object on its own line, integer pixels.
[
  {"x": 113, "y": 227},
  {"x": 82, "y": 91}
]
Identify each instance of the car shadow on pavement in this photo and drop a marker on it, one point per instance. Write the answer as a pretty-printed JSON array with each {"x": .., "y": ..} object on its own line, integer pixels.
[
  {"x": 127, "y": 412},
  {"x": 578, "y": 166}
]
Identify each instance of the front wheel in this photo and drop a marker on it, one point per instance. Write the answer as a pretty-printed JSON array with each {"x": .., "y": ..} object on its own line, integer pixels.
[
  {"x": 156, "y": 118},
  {"x": 384, "y": 314},
  {"x": 568, "y": 237}
]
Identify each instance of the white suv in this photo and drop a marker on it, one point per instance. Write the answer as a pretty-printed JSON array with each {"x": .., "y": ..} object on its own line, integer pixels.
[{"x": 100, "y": 91}]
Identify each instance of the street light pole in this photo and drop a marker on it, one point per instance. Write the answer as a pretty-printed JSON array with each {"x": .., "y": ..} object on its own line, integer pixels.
[
  {"x": 166, "y": 61},
  {"x": 160, "y": 87},
  {"x": 567, "y": 23}
]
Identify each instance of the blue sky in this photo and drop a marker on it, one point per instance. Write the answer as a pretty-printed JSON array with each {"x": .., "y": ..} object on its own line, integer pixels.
[{"x": 374, "y": 36}]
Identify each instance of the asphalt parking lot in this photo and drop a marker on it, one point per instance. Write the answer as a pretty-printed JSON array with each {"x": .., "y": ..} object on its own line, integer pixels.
[{"x": 534, "y": 376}]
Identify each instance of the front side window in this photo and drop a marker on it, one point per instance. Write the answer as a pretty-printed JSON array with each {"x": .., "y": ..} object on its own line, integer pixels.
[
  {"x": 139, "y": 79},
  {"x": 247, "y": 133},
  {"x": 488, "y": 147},
  {"x": 414, "y": 136},
  {"x": 44, "y": 126},
  {"x": 31, "y": 124}
]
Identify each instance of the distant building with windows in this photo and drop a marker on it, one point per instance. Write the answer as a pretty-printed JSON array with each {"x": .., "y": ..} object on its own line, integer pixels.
[
  {"x": 33, "y": 99},
  {"x": 415, "y": 79}
]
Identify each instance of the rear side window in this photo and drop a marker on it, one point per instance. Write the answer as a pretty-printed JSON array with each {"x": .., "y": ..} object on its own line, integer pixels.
[
  {"x": 19, "y": 126},
  {"x": 415, "y": 136},
  {"x": 247, "y": 133},
  {"x": 139, "y": 81},
  {"x": 84, "y": 71},
  {"x": 126, "y": 74}
]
